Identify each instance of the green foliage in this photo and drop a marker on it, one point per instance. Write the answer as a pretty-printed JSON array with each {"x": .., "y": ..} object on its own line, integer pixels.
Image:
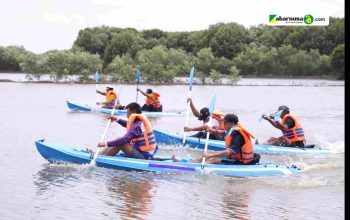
[
  {"x": 34, "y": 66},
  {"x": 122, "y": 43},
  {"x": 10, "y": 58},
  {"x": 61, "y": 64},
  {"x": 229, "y": 40},
  {"x": 324, "y": 65},
  {"x": 323, "y": 38},
  {"x": 122, "y": 69},
  {"x": 223, "y": 65},
  {"x": 155, "y": 65},
  {"x": 206, "y": 60},
  {"x": 338, "y": 60},
  {"x": 152, "y": 34},
  {"x": 246, "y": 61},
  {"x": 234, "y": 73},
  {"x": 95, "y": 40},
  {"x": 222, "y": 50},
  {"x": 285, "y": 60},
  {"x": 179, "y": 61},
  {"x": 215, "y": 76}
]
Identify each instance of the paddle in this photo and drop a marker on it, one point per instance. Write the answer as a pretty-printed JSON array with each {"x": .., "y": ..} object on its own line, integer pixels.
[
  {"x": 97, "y": 77},
  {"x": 93, "y": 161},
  {"x": 211, "y": 109},
  {"x": 137, "y": 82},
  {"x": 277, "y": 115},
  {"x": 188, "y": 104}
]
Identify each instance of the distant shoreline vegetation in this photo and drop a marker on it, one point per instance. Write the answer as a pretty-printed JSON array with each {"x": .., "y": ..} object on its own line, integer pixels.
[
  {"x": 224, "y": 50},
  {"x": 246, "y": 81}
]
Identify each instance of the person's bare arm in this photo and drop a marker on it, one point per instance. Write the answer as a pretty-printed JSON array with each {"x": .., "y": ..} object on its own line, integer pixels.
[
  {"x": 142, "y": 92},
  {"x": 194, "y": 110},
  {"x": 199, "y": 128},
  {"x": 224, "y": 153}
]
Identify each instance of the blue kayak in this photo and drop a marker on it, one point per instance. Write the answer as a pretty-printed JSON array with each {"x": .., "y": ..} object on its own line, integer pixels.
[
  {"x": 216, "y": 145},
  {"x": 85, "y": 108},
  {"x": 54, "y": 152}
]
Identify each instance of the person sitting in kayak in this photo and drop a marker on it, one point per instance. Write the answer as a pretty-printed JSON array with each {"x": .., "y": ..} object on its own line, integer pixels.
[
  {"x": 289, "y": 124},
  {"x": 152, "y": 101},
  {"x": 239, "y": 148},
  {"x": 204, "y": 115},
  {"x": 139, "y": 141},
  {"x": 111, "y": 97}
]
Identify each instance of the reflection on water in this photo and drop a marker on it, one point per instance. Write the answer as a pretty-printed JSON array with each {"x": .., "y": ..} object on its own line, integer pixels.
[
  {"x": 236, "y": 201},
  {"x": 54, "y": 175},
  {"x": 135, "y": 194},
  {"x": 129, "y": 193}
]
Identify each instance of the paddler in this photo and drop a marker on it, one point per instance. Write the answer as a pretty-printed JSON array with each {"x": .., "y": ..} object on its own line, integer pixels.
[
  {"x": 152, "y": 102},
  {"x": 110, "y": 99},
  {"x": 289, "y": 124},
  {"x": 239, "y": 149},
  {"x": 204, "y": 115},
  {"x": 138, "y": 142}
]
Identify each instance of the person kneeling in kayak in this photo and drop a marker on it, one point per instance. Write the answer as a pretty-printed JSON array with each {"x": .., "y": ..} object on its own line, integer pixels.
[
  {"x": 239, "y": 148},
  {"x": 204, "y": 115},
  {"x": 139, "y": 141},
  {"x": 152, "y": 101},
  {"x": 111, "y": 97},
  {"x": 293, "y": 133}
]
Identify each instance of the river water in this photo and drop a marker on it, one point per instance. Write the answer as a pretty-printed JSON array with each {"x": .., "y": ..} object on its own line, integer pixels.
[{"x": 31, "y": 188}]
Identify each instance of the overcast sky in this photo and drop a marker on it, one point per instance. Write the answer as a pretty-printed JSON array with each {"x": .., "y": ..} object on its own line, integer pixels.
[{"x": 42, "y": 25}]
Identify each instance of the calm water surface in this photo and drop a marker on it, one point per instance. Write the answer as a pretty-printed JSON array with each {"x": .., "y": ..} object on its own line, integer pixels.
[{"x": 31, "y": 188}]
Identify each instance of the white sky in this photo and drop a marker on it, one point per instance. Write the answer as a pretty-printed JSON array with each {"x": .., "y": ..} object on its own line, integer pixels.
[{"x": 42, "y": 25}]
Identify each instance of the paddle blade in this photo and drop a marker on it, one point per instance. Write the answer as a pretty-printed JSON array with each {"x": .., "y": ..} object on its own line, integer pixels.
[
  {"x": 278, "y": 115},
  {"x": 97, "y": 76},
  {"x": 212, "y": 104},
  {"x": 191, "y": 77},
  {"x": 138, "y": 74}
]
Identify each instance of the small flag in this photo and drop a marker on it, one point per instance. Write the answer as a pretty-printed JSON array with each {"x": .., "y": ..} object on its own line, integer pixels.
[
  {"x": 97, "y": 77},
  {"x": 138, "y": 74},
  {"x": 191, "y": 77}
]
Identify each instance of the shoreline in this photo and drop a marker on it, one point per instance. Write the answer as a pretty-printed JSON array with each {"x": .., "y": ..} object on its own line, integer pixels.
[
  {"x": 250, "y": 80},
  {"x": 173, "y": 84}
]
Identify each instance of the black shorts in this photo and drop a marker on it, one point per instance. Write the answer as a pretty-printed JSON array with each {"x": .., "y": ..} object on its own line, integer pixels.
[
  {"x": 203, "y": 134},
  {"x": 136, "y": 153},
  {"x": 297, "y": 144},
  {"x": 228, "y": 161}
]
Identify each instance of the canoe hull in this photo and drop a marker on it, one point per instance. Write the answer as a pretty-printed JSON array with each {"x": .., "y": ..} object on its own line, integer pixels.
[
  {"x": 60, "y": 153},
  {"x": 215, "y": 145},
  {"x": 85, "y": 108},
  {"x": 76, "y": 107}
]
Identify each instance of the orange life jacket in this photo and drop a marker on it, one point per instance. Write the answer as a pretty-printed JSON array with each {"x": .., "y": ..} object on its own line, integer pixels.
[
  {"x": 156, "y": 104},
  {"x": 109, "y": 94},
  {"x": 147, "y": 140},
  {"x": 296, "y": 133},
  {"x": 219, "y": 116},
  {"x": 246, "y": 155}
]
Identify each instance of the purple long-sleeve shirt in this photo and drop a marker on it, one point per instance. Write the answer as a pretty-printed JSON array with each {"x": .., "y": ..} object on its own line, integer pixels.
[{"x": 135, "y": 131}]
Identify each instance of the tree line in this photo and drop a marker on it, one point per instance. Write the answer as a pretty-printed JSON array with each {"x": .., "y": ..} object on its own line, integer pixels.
[{"x": 223, "y": 50}]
